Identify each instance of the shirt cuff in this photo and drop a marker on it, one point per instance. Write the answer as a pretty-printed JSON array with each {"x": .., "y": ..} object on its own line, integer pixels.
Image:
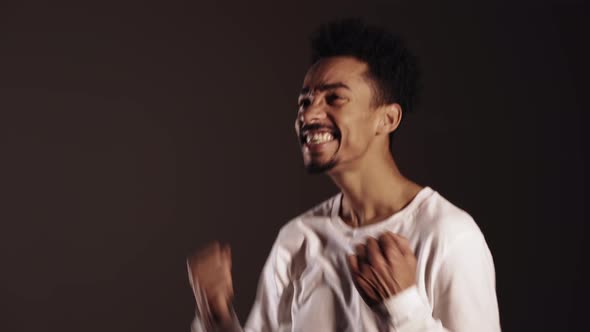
[{"x": 405, "y": 306}]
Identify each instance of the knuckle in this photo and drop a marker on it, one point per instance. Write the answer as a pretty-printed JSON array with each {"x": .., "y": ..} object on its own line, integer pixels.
[
  {"x": 385, "y": 239},
  {"x": 402, "y": 240},
  {"x": 371, "y": 241},
  {"x": 376, "y": 258},
  {"x": 365, "y": 270},
  {"x": 382, "y": 268}
]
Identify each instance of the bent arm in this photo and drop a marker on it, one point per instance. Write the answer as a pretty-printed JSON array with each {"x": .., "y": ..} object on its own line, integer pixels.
[
  {"x": 464, "y": 297},
  {"x": 263, "y": 316}
]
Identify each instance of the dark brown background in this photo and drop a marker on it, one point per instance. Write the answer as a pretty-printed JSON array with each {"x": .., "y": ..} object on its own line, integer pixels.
[{"x": 132, "y": 133}]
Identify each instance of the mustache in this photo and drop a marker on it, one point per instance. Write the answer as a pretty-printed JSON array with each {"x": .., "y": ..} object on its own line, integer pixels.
[{"x": 318, "y": 126}]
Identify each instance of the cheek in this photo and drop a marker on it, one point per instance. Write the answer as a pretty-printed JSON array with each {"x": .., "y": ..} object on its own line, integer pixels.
[
  {"x": 357, "y": 134},
  {"x": 354, "y": 143},
  {"x": 296, "y": 122}
]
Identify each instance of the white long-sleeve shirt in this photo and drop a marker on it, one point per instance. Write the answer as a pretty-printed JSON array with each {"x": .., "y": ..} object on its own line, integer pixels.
[{"x": 306, "y": 284}]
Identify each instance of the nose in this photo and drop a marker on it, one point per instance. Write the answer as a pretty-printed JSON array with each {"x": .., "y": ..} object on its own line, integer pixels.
[{"x": 314, "y": 112}]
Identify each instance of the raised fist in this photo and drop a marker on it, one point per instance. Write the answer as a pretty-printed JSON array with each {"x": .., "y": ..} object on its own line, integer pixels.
[{"x": 210, "y": 277}]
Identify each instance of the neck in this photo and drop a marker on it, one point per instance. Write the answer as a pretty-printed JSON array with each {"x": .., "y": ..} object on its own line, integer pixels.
[{"x": 372, "y": 191}]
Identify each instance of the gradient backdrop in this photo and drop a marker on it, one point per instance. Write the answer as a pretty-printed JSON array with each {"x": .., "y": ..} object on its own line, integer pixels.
[{"x": 133, "y": 133}]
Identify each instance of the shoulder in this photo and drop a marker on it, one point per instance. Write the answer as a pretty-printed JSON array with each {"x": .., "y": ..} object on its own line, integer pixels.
[
  {"x": 313, "y": 217},
  {"x": 442, "y": 223},
  {"x": 296, "y": 229},
  {"x": 449, "y": 242}
]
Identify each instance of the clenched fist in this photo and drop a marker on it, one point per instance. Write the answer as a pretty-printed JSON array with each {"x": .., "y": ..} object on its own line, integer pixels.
[
  {"x": 383, "y": 267},
  {"x": 210, "y": 277}
]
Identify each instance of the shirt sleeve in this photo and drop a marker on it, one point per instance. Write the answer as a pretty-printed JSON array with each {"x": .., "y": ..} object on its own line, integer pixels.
[
  {"x": 265, "y": 311},
  {"x": 464, "y": 294}
]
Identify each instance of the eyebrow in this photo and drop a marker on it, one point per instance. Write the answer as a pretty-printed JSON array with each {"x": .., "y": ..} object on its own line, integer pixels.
[{"x": 324, "y": 87}]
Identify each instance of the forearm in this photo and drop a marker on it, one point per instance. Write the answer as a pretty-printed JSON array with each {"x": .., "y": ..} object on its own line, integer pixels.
[{"x": 204, "y": 320}]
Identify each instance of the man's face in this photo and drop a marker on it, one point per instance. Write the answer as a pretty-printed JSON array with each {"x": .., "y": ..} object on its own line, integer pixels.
[{"x": 335, "y": 123}]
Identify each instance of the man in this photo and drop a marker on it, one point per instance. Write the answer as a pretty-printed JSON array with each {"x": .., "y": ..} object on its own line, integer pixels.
[{"x": 385, "y": 254}]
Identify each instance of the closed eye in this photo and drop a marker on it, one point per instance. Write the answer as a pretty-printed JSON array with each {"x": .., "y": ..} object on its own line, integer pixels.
[
  {"x": 334, "y": 99},
  {"x": 303, "y": 102}
]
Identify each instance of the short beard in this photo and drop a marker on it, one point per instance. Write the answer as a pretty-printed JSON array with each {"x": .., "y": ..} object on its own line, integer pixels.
[{"x": 314, "y": 168}]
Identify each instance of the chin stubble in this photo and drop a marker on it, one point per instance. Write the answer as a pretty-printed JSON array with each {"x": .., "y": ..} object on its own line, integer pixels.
[{"x": 318, "y": 168}]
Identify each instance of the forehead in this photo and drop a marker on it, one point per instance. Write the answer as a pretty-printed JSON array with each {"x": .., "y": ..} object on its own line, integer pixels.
[{"x": 342, "y": 69}]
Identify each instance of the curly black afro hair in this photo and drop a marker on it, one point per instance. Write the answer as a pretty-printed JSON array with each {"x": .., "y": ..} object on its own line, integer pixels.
[{"x": 393, "y": 69}]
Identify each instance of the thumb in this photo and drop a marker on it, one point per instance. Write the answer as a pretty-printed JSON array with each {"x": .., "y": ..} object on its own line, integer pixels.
[{"x": 353, "y": 263}]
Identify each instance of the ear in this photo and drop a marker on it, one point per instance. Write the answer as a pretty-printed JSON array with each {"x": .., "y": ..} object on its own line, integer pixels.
[{"x": 390, "y": 118}]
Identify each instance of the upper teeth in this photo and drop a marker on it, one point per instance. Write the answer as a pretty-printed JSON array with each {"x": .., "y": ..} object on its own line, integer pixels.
[{"x": 315, "y": 138}]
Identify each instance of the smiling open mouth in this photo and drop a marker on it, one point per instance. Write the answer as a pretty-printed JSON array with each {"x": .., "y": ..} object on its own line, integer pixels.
[
  {"x": 317, "y": 138},
  {"x": 318, "y": 135}
]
